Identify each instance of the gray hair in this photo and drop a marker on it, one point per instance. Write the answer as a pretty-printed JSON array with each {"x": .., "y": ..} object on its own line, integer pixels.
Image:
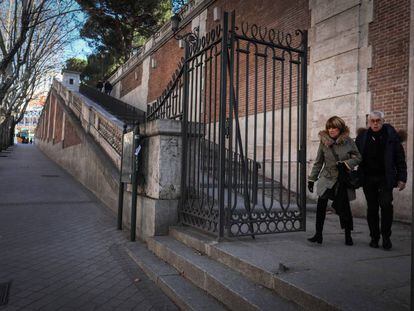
[{"x": 377, "y": 114}]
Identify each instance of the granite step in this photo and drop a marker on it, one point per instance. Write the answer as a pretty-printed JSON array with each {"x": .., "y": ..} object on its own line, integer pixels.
[
  {"x": 181, "y": 291},
  {"x": 226, "y": 285},
  {"x": 208, "y": 246}
]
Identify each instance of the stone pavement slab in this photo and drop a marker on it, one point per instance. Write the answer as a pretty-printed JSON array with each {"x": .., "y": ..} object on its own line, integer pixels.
[{"x": 59, "y": 246}]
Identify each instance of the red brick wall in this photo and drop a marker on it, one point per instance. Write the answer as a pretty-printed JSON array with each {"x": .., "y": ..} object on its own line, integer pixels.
[
  {"x": 59, "y": 124},
  {"x": 71, "y": 138},
  {"x": 388, "y": 77},
  {"x": 132, "y": 80},
  {"x": 280, "y": 14},
  {"x": 167, "y": 58},
  {"x": 51, "y": 114}
]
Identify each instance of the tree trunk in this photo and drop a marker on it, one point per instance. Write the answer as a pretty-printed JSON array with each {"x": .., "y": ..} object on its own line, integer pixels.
[{"x": 11, "y": 134}]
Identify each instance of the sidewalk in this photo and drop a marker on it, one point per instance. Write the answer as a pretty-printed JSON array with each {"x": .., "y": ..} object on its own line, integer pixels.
[{"x": 59, "y": 246}]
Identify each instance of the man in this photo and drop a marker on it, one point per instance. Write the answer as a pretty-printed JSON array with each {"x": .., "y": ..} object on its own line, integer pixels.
[
  {"x": 383, "y": 168},
  {"x": 108, "y": 88},
  {"x": 99, "y": 85}
]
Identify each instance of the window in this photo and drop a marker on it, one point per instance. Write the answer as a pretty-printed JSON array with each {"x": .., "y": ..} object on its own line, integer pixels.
[{"x": 70, "y": 81}]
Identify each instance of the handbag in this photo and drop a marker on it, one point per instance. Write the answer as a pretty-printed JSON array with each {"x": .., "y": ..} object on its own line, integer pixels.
[{"x": 351, "y": 179}]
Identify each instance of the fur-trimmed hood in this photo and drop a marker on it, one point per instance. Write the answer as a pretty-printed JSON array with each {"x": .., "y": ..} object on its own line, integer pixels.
[
  {"x": 328, "y": 141},
  {"x": 400, "y": 134}
]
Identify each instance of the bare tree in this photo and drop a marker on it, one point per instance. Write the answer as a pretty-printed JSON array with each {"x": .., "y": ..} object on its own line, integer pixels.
[{"x": 33, "y": 35}]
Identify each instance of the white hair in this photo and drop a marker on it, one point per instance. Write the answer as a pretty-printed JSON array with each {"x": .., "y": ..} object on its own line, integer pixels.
[{"x": 377, "y": 114}]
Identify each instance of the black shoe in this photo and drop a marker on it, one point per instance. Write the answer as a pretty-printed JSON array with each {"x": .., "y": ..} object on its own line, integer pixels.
[
  {"x": 386, "y": 243},
  {"x": 348, "y": 238},
  {"x": 317, "y": 238},
  {"x": 374, "y": 243}
]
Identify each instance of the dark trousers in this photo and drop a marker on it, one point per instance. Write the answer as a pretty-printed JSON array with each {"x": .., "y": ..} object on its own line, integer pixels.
[
  {"x": 378, "y": 195},
  {"x": 344, "y": 217}
]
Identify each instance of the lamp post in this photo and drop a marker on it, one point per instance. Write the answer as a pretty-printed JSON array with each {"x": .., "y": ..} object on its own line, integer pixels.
[{"x": 189, "y": 38}]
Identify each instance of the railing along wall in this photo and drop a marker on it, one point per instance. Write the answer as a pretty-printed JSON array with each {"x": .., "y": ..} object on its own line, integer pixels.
[
  {"x": 106, "y": 130},
  {"x": 170, "y": 104}
]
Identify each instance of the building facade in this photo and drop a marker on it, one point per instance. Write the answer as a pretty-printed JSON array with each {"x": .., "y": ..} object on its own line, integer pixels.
[{"x": 360, "y": 59}]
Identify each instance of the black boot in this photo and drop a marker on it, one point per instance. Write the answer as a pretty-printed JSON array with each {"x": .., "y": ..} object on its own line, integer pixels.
[
  {"x": 348, "y": 238},
  {"x": 386, "y": 243},
  {"x": 320, "y": 219},
  {"x": 317, "y": 238},
  {"x": 374, "y": 243}
]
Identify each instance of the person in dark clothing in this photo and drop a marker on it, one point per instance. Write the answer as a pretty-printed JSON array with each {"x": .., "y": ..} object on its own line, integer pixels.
[
  {"x": 383, "y": 168},
  {"x": 337, "y": 154},
  {"x": 108, "y": 88},
  {"x": 99, "y": 85}
]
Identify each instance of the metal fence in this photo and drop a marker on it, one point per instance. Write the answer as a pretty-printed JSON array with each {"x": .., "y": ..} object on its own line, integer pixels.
[{"x": 241, "y": 96}]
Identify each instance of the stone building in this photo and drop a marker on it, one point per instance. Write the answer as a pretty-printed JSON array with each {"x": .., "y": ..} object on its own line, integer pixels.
[{"x": 360, "y": 59}]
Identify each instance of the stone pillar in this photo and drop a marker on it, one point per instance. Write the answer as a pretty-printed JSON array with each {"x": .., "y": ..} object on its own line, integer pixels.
[
  {"x": 159, "y": 178},
  {"x": 410, "y": 125},
  {"x": 340, "y": 57}
]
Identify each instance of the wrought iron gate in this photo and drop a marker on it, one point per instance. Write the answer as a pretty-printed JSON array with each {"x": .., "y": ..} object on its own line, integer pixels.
[{"x": 241, "y": 94}]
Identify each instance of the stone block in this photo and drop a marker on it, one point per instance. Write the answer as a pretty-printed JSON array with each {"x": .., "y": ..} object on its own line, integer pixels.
[
  {"x": 366, "y": 12},
  {"x": 334, "y": 27},
  {"x": 324, "y": 9},
  {"x": 344, "y": 42},
  {"x": 335, "y": 76},
  {"x": 162, "y": 159},
  {"x": 365, "y": 57},
  {"x": 157, "y": 215}
]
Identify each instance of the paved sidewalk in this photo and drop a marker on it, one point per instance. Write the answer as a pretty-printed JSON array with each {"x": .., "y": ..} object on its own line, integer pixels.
[{"x": 59, "y": 245}]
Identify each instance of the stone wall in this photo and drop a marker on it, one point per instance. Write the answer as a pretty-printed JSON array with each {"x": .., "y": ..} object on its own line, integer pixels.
[
  {"x": 74, "y": 141},
  {"x": 78, "y": 153}
]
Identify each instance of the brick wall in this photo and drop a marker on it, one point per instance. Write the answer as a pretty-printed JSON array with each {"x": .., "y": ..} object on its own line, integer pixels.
[
  {"x": 278, "y": 14},
  {"x": 71, "y": 138},
  {"x": 388, "y": 78},
  {"x": 166, "y": 58},
  {"x": 131, "y": 81},
  {"x": 59, "y": 124},
  {"x": 45, "y": 130}
]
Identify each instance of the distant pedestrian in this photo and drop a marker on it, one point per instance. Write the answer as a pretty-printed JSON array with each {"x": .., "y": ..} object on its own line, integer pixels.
[
  {"x": 337, "y": 154},
  {"x": 108, "y": 88},
  {"x": 99, "y": 85},
  {"x": 383, "y": 168},
  {"x": 31, "y": 141}
]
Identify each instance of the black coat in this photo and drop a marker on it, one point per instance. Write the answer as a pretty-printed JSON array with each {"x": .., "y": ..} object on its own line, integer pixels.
[{"x": 394, "y": 156}]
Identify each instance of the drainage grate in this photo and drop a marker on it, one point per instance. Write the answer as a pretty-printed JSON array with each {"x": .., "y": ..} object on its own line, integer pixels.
[
  {"x": 3, "y": 156},
  {"x": 4, "y": 293},
  {"x": 50, "y": 176}
]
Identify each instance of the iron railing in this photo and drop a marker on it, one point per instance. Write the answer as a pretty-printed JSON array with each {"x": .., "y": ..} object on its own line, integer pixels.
[
  {"x": 124, "y": 112},
  {"x": 169, "y": 104}
]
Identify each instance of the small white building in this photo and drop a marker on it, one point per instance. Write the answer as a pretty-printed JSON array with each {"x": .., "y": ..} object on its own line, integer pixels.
[{"x": 71, "y": 79}]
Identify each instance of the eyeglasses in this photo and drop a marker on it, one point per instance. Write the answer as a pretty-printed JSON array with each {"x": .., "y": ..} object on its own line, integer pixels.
[{"x": 376, "y": 120}]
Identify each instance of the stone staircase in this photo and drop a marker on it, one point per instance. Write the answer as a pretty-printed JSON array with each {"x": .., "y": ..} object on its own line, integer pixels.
[
  {"x": 196, "y": 282},
  {"x": 197, "y": 275}
]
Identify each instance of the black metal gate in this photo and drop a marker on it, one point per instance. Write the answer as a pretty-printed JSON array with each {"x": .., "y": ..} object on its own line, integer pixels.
[{"x": 241, "y": 94}]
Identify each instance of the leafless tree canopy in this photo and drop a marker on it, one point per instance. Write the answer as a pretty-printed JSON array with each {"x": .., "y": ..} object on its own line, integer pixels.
[{"x": 33, "y": 34}]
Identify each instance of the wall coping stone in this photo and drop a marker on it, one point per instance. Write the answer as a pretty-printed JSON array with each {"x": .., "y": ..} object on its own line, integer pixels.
[{"x": 161, "y": 127}]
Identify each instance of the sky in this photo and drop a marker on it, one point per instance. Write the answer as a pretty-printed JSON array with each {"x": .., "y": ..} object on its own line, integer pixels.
[{"x": 79, "y": 49}]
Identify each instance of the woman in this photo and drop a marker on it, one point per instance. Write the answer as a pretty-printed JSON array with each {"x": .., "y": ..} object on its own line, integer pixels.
[{"x": 337, "y": 153}]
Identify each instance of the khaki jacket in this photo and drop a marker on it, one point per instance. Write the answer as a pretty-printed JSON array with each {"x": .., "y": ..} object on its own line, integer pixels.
[{"x": 324, "y": 171}]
